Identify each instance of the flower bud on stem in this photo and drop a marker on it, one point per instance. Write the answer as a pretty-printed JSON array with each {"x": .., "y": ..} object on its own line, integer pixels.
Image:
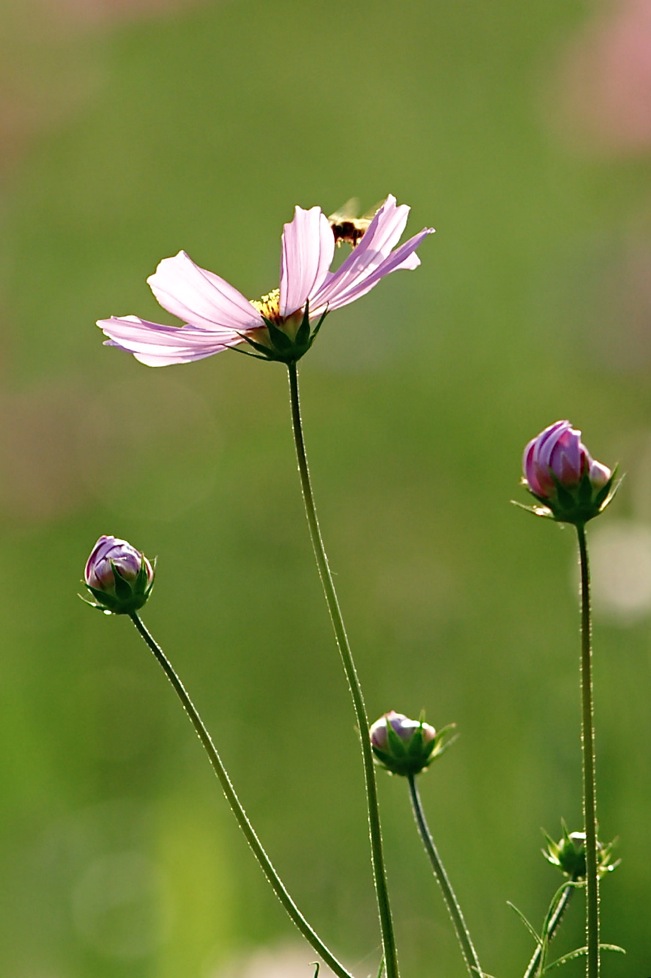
[
  {"x": 560, "y": 473},
  {"x": 119, "y": 577},
  {"x": 569, "y": 856},
  {"x": 375, "y": 835},
  {"x": 573, "y": 488}
]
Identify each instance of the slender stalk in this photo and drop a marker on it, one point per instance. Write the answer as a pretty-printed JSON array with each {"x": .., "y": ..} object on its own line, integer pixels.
[
  {"x": 589, "y": 774},
  {"x": 552, "y": 927},
  {"x": 377, "y": 855},
  {"x": 449, "y": 896},
  {"x": 242, "y": 818}
]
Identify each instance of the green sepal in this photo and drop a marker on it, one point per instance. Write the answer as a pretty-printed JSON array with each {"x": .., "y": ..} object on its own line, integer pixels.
[
  {"x": 94, "y": 604},
  {"x": 129, "y": 595},
  {"x": 123, "y": 587},
  {"x": 575, "y": 506},
  {"x": 303, "y": 338},
  {"x": 568, "y": 855},
  {"x": 410, "y": 757},
  {"x": 398, "y": 747},
  {"x": 318, "y": 326},
  {"x": 586, "y": 494},
  {"x": 281, "y": 342},
  {"x": 285, "y": 348},
  {"x": 608, "y": 492},
  {"x": 267, "y": 353},
  {"x": 114, "y": 605},
  {"x": 445, "y": 737}
]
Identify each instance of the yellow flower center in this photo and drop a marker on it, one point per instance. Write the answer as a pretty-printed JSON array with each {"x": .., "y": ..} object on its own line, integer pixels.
[{"x": 269, "y": 306}]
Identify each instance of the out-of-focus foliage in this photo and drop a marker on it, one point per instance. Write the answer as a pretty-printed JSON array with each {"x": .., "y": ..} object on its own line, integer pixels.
[{"x": 131, "y": 130}]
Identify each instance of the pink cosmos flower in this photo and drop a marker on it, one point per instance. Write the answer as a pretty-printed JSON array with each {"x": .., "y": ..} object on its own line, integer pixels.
[{"x": 217, "y": 316}]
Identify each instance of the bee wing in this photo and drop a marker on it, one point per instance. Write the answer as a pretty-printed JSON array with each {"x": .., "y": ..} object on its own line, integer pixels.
[
  {"x": 347, "y": 212},
  {"x": 372, "y": 211}
]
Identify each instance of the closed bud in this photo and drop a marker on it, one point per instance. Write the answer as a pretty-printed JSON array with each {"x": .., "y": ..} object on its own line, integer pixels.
[
  {"x": 560, "y": 473},
  {"x": 568, "y": 855},
  {"x": 405, "y": 746},
  {"x": 119, "y": 577}
]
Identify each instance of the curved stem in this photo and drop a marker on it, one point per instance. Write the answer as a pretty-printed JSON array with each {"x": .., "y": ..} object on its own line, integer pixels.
[
  {"x": 552, "y": 927},
  {"x": 449, "y": 896},
  {"x": 589, "y": 774},
  {"x": 377, "y": 855},
  {"x": 266, "y": 865}
]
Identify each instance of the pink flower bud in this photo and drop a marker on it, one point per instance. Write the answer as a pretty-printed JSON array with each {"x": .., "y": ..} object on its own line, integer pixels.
[
  {"x": 405, "y": 746},
  {"x": 555, "y": 455},
  {"x": 403, "y": 726},
  {"x": 118, "y": 576},
  {"x": 560, "y": 472}
]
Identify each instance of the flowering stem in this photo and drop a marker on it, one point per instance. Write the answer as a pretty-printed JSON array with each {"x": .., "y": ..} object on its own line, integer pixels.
[
  {"x": 449, "y": 896},
  {"x": 589, "y": 775},
  {"x": 552, "y": 925},
  {"x": 377, "y": 855},
  {"x": 242, "y": 818}
]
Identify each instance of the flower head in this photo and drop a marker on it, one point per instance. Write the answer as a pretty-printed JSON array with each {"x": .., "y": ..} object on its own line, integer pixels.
[
  {"x": 217, "y": 316},
  {"x": 405, "y": 746},
  {"x": 560, "y": 472},
  {"x": 119, "y": 577}
]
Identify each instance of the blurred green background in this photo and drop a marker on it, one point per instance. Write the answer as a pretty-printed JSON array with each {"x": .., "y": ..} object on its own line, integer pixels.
[{"x": 131, "y": 130}]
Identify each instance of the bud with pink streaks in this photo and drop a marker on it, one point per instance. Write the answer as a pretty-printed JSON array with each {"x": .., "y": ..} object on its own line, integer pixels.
[
  {"x": 560, "y": 473},
  {"x": 119, "y": 577}
]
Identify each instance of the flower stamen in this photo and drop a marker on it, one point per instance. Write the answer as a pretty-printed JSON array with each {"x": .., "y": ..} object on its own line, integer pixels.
[{"x": 269, "y": 306}]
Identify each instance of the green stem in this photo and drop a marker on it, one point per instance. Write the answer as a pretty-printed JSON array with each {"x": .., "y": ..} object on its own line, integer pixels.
[
  {"x": 449, "y": 896},
  {"x": 377, "y": 855},
  {"x": 242, "y": 818},
  {"x": 552, "y": 926},
  {"x": 589, "y": 775}
]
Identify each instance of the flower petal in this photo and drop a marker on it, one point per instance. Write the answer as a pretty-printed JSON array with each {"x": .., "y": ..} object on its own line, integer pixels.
[
  {"x": 557, "y": 453},
  {"x": 371, "y": 260},
  {"x": 337, "y": 293},
  {"x": 550, "y": 438},
  {"x": 308, "y": 247},
  {"x": 200, "y": 297},
  {"x": 158, "y": 346}
]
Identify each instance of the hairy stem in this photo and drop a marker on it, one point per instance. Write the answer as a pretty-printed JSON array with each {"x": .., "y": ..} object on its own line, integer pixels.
[
  {"x": 377, "y": 855},
  {"x": 589, "y": 773},
  {"x": 449, "y": 896},
  {"x": 265, "y": 863},
  {"x": 553, "y": 923}
]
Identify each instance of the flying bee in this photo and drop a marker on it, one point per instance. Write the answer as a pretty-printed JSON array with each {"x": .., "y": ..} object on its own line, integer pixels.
[{"x": 348, "y": 228}]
